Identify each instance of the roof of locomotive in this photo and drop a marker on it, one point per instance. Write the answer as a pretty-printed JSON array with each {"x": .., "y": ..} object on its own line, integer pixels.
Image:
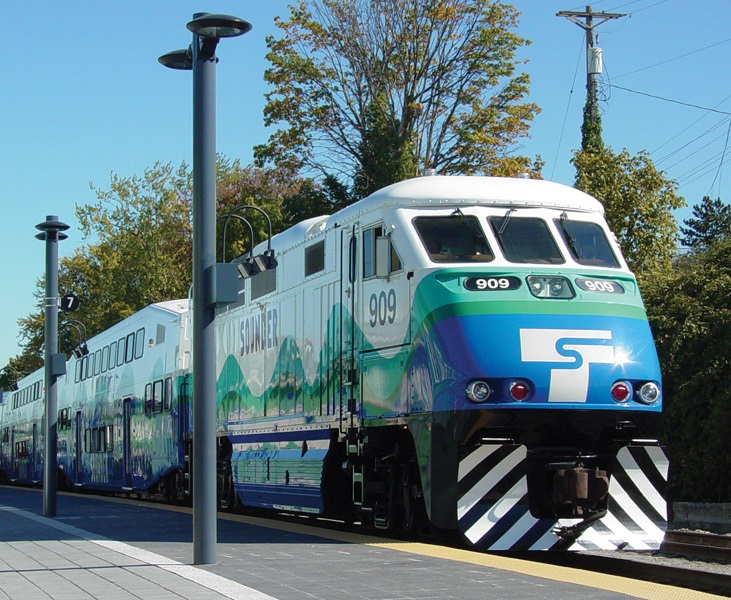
[
  {"x": 487, "y": 191},
  {"x": 447, "y": 190}
]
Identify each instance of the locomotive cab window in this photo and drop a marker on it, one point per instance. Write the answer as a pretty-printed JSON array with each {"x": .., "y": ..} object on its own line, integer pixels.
[
  {"x": 525, "y": 240},
  {"x": 453, "y": 238},
  {"x": 380, "y": 258},
  {"x": 587, "y": 243}
]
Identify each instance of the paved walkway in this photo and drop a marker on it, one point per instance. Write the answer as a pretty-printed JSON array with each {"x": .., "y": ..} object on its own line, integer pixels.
[{"x": 105, "y": 549}]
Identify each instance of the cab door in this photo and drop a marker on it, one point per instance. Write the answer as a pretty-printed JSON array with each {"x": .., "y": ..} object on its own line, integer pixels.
[
  {"x": 385, "y": 320},
  {"x": 385, "y": 314}
]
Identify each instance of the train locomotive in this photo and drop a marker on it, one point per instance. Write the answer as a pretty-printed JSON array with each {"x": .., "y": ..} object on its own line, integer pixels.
[{"x": 449, "y": 354}]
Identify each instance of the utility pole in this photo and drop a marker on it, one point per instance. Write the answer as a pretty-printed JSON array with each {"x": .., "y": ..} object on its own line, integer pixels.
[{"x": 585, "y": 20}]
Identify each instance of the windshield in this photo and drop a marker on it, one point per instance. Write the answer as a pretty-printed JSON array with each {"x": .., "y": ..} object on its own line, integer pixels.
[
  {"x": 455, "y": 238},
  {"x": 587, "y": 242},
  {"x": 525, "y": 240}
]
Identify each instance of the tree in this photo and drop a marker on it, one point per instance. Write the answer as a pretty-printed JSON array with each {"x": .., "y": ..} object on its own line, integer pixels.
[
  {"x": 374, "y": 90},
  {"x": 140, "y": 250},
  {"x": 690, "y": 315},
  {"x": 711, "y": 221},
  {"x": 638, "y": 202},
  {"x": 139, "y": 253}
]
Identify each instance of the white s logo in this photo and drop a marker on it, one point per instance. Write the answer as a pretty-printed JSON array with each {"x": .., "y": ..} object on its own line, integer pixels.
[{"x": 578, "y": 348}]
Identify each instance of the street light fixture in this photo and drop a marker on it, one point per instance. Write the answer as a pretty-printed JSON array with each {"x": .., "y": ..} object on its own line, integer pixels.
[
  {"x": 207, "y": 30},
  {"x": 81, "y": 349},
  {"x": 55, "y": 364}
]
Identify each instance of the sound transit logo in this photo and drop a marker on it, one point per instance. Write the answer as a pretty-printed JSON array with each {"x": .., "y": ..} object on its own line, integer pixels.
[{"x": 576, "y": 350}]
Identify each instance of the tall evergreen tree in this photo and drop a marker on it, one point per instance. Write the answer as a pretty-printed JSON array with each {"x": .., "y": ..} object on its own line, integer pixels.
[{"x": 711, "y": 222}]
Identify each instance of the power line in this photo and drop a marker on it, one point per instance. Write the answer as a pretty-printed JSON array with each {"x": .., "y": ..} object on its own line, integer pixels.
[
  {"x": 693, "y": 141},
  {"x": 672, "y": 59},
  {"x": 720, "y": 164},
  {"x": 698, "y": 120},
  {"x": 568, "y": 105},
  {"x": 721, "y": 112}
]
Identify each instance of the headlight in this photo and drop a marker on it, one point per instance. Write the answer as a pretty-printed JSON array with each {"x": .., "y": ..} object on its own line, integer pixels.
[
  {"x": 648, "y": 393},
  {"x": 542, "y": 286},
  {"x": 478, "y": 391}
]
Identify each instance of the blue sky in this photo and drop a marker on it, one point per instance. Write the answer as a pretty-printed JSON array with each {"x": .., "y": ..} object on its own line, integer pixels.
[{"x": 83, "y": 96}]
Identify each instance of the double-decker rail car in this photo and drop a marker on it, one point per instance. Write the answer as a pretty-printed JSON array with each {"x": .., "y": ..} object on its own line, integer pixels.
[
  {"x": 123, "y": 413},
  {"x": 451, "y": 354}
]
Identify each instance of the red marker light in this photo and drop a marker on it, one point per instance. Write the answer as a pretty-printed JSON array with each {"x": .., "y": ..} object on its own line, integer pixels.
[
  {"x": 621, "y": 391},
  {"x": 519, "y": 391}
]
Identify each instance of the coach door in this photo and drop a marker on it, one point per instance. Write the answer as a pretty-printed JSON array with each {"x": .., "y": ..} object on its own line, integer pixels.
[
  {"x": 127, "y": 441},
  {"x": 33, "y": 462},
  {"x": 79, "y": 443}
]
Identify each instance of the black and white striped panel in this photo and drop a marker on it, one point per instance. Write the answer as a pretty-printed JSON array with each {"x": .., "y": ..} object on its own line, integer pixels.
[
  {"x": 492, "y": 508},
  {"x": 637, "y": 509}
]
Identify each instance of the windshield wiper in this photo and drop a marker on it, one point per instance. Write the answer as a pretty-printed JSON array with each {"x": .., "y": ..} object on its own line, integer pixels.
[
  {"x": 504, "y": 224},
  {"x": 471, "y": 224},
  {"x": 569, "y": 236}
]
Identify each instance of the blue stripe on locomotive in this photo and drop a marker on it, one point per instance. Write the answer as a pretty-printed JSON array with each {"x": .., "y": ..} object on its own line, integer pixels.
[{"x": 571, "y": 359}]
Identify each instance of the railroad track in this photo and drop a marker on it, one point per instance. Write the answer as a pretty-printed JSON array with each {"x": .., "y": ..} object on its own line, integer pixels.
[{"x": 697, "y": 544}]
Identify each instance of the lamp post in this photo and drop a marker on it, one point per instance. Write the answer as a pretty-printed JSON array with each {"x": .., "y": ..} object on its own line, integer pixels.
[
  {"x": 55, "y": 363},
  {"x": 207, "y": 30}
]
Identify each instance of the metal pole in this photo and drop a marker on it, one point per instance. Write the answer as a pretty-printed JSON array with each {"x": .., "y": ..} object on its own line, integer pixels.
[
  {"x": 204, "y": 348},
  {"x": 55, "y": 364}
]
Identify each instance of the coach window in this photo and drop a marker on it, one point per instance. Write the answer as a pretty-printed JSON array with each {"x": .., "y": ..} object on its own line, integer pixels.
[
  {"x": 525, "y": 240},
  {"x": 130, "y": 353},
  {"x": 112, "y": 355},
  {"x": 453, "y": 238},
  {"x": 139, "y": 343},
  {"x": 157, "y": 399},
  {"x": 97, "y": 362},
  {"x": 148, "y": 399},
  {"x": 105, "y": 359},
  {"x": 120, "y": 352},
  {"x": 315, "y": 258}
]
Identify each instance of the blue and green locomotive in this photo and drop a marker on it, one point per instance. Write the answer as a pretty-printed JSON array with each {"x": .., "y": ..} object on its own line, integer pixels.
[{"x": 449, "y": 354}]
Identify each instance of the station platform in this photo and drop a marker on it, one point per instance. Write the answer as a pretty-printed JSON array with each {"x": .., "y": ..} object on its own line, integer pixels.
[{"x": 104, "y": 548}]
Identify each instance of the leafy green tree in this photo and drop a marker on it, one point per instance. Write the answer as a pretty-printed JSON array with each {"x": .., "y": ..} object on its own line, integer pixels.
[
  {"x": 690, "y": 314},
  {"x": 140, "y": 250},
  {"x": 638, "y": 202},
  {"x": 371, "y": 91},
  {"x": 711, "y": 221},
  {"x": 139, "y": 253}
]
